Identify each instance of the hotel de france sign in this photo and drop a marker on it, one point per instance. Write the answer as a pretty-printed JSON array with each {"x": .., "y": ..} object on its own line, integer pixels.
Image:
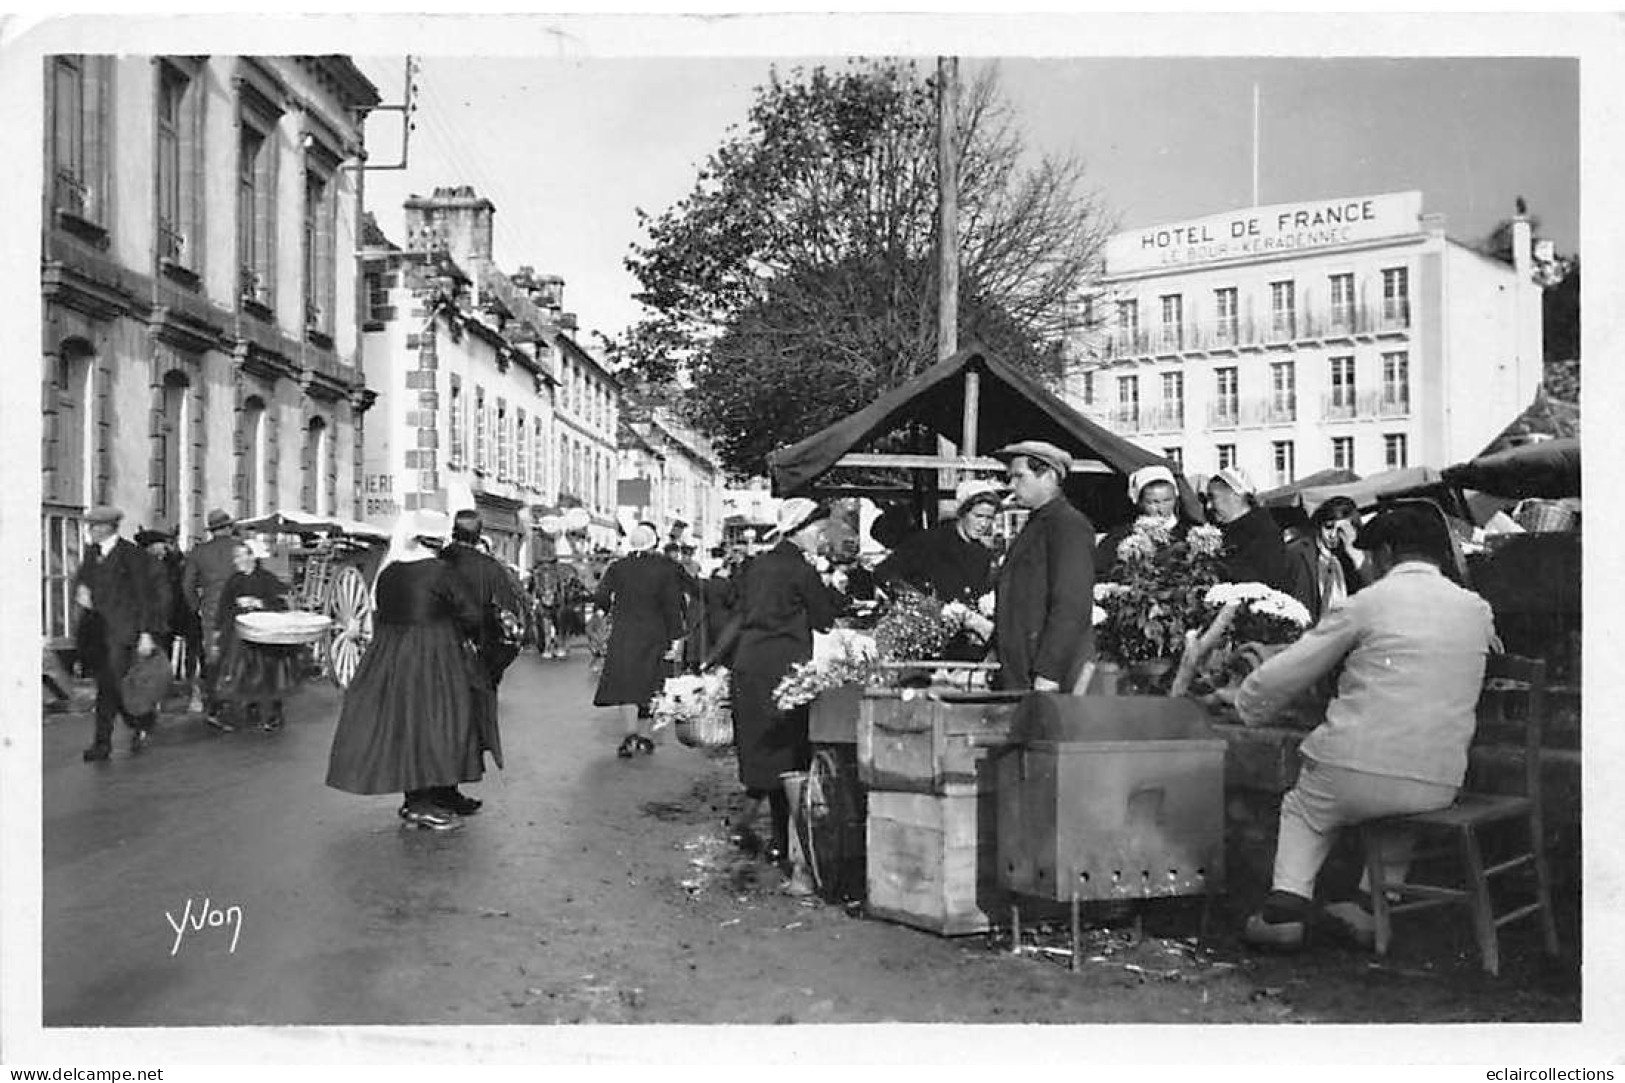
[{"x": 1264, "y": 231}]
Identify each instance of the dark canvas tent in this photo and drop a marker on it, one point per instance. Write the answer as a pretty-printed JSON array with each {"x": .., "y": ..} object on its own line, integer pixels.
[
  {"x": 976, "y": 392},
  {"x": 1292, "y": 495},
  {"x": 1549, "y": 468}
]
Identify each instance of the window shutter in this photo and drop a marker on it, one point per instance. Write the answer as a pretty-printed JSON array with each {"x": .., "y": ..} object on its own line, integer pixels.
[
  {"x": 271, "y": 421},
  {"x": 104, "y": 432},
  {"x": 241, "y": 449},
  {"x": 332, "y": 464},
  {"x": 198, "y": 438},
  {"x": 192, "y": 180}
]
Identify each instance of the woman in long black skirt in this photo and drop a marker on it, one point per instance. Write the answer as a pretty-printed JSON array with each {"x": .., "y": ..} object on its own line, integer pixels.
[
  {"x": 254, "y": 677},
  {"x": 781, "y": 602},
  {"x": 642, "y": 593},
  {"x": 409, "y": 722}
]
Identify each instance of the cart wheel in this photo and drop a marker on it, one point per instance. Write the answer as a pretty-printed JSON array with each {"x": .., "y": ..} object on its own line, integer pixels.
[
  {"x": 350, "y": 606},
  {"x": 831, "y": 826}
]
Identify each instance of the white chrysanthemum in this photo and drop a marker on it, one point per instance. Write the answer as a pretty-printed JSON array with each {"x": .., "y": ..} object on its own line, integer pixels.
[
  {"x": 1159, "y": 530},
  {"x": 1105, "y": 591},
  {"x": 1099, "y": 616},
  {"x": 987, "y": 605},
  {"x": 1205, "y": 540},
  {"x": 1136, "y": 547}
]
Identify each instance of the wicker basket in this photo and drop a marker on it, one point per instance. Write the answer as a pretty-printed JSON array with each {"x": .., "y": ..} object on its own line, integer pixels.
[
  {"x": 1544, "y": 516},
  {"x": 282, "y": 629}
]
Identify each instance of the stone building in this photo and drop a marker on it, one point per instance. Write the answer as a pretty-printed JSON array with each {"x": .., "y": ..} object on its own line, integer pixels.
[
  {"x": 201, "y": 345},
  {"x": 669, "y": 476}
]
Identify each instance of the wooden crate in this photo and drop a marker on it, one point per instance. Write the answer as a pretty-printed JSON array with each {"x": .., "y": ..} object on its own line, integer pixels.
[
  {"x": 932, "y": 861},
  {"x": 832, "y": 717},
  {"x": 936, "y": 744}
]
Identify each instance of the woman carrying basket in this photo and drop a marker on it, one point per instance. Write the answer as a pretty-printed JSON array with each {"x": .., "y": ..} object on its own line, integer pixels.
[
  {"x": 642, "y": 594},
  {"x": 254, "y": 677}
]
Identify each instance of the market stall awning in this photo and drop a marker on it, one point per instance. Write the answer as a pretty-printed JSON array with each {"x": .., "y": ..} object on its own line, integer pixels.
[
  {"x": 290, "y": 521},
  {"x": 1366, "y": 492},
  {"x": 1290, "y": 495},
  {"x": 1549, "y": 468},
  {"x": 1003, "y": 406}
]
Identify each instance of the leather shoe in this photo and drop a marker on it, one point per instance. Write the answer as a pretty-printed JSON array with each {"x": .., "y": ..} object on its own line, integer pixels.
[
  {"x": 97, "y": 752},
  {"x": 1273, "y": 935},
  {"x": 452, "y": 800},
  {"x": 138, "y": 740},
  {"x": 1353, "y": 922}
]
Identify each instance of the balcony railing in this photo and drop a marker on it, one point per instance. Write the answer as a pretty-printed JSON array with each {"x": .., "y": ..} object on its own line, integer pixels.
[
  {"x": 1125, "y": 419},
  {"x": 69, "y": 193},
  {"x": 1366, "y": 404},
  {"x": 171, "y": 242},
  {"x": 251, "y": 286},
  {"x": 1247, "y": 413},
  {"x": 1230, "y": 334},
  {"x": 1280, "y": 411}
]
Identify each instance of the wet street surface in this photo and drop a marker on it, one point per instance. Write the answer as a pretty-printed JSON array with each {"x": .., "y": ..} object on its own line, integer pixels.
[{"x": 215, "y": 880}]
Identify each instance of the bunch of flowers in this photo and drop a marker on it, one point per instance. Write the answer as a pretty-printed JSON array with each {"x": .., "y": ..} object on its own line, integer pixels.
[
  {"x": 1265, "y": 616},
  {"x": 698, "y": 702},
  {"x": 914, "y": 626},
  {"x": 1156, "y": 591},
  {"x": 842, "y": 656}
]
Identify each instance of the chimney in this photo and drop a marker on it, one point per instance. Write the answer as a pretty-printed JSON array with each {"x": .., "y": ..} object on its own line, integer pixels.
[
  {"x": 1522, "y": 246},
  {"x": 457, "y": 218},
  {"x": 1433, "y": 224}
]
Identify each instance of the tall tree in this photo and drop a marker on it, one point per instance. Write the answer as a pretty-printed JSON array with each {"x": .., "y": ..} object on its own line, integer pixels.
[{"x": 798, "y": 280}]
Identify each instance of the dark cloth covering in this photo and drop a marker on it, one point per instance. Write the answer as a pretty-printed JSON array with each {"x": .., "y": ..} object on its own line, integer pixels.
[
  {"x": 1254, "y": 551},
  {"x": 940, "y": 561},
  {"x": 782, "y": 601},
  {"x": 253, "y": 672},
  {"x": 502, "y": 607},
  {"x": 643, "y": 594},
  {"x": 1303, "y": 559},
  {"x": 718, "y": 599},
  {"x": 409, "y": 720},
  {"x": 1046, "y": 599}
]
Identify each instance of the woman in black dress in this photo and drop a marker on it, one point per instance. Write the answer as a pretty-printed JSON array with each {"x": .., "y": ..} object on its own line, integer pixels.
[
  {"x": 781, "y": 601},
  {"x": 409, "y": 722},
  {"x": 254, "y": 677},
  {"x": 643, "y": 595}
]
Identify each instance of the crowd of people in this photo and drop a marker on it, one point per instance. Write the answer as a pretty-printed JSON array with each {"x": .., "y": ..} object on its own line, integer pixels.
[{"x": 1393, "y": 630}]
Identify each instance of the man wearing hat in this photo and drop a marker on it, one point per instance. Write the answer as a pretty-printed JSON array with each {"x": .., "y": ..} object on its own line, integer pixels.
[
  {"x": 180, "y": 622},
  {"x": 208, "y": 566},
  {"x": 1254, "y": 551},
  {"x": 1409, "y": 653},
  {"x": 1046, "y": 585},
  {"x": 953, "y": 560},
  {"x": 120, "y": 593}
]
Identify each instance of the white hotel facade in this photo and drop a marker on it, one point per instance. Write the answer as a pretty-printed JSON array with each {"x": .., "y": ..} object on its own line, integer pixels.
[{"x": 1293, "y": 338}]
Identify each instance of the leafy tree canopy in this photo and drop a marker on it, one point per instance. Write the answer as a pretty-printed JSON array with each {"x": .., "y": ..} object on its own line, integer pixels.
[{"x": 798, "y": 279}]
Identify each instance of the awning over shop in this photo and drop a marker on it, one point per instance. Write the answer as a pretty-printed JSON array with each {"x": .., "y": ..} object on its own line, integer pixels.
[
  {"x": 1366, "y": 492},
  {"x": 1550, "y": 469},
  {"x": 499, "y": 513},
  {"x": 998, "y": 405},
  {"x": 1292, "y": 495}
]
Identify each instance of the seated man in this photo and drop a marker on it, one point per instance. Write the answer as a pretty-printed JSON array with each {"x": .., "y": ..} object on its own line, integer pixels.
[{"x": 1395, "y": 738}]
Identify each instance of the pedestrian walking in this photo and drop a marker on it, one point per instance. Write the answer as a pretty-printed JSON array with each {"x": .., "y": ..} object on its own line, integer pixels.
[
  {"x": 409, "y": 723},
  {"x": 781, "y": 602},
  {"x": 119, "y": 590},
  {"x": 160, "y": 547},
  {"x": 254, "y": 678},
  {"x": 642, "y": 594},
  {"x": 1045, "y": 592},
  {"x": 208, "y": 566}
]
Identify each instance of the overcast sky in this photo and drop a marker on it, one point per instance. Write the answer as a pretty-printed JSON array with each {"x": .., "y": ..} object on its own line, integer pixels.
[{"x": 568, "y": 149}]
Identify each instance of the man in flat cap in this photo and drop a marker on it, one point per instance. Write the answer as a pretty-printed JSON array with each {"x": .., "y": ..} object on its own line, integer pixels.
[
  {"x": 120, "y": 592},
  {"x": 1046, "y": 585},
  {"x": 208, "y": 566},
  {"x": 1409, "y": 652}
]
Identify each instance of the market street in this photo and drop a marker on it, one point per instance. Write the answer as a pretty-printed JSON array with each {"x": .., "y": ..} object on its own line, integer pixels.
[{"x": 589, "y": 889}]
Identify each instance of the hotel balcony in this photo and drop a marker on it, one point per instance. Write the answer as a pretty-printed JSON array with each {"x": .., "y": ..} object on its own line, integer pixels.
[
  {"x": 1251, "y": 413},
  {"x": 1168, "y": 418},
  {"x": 1231, "y": 335},
  {"x": 1365, "y": 404}
]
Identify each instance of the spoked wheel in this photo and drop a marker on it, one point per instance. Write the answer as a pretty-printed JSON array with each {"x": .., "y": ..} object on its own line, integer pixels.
[
  {"x": 832, "y": 827},
  {"x": 350, "y": 606}
]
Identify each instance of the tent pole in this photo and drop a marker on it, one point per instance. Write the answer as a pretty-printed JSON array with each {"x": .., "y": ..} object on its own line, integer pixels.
[{"x": 972, "y": 416}]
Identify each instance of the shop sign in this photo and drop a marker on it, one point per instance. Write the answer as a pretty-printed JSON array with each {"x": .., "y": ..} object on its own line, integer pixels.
[
  {"x": 380, "y": 497},
  {"x": 1264, "y": 231}
]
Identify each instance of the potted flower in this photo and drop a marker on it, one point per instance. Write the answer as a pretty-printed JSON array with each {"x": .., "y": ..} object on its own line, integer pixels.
[{"x": 1155, "y": 595}]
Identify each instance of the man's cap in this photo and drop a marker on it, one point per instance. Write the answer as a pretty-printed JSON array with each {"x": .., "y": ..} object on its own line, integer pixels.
[
  {"x": 145, "y": 538},
  {"x": 104, "y": 513},
  {"x": 219, "y": 519},
  {"x": 1042, "y": 450},
  {"x": 974, "y": 489},
  {"x": 796, "y": 513},
  {"x": 1236, "y": 479},
  {"x": 1415, "y": 525},
  {"x": 1149, "y": 475}
]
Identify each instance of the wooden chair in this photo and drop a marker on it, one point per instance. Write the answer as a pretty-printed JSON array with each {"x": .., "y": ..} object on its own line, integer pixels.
[{"x": 1507, "y": 678}]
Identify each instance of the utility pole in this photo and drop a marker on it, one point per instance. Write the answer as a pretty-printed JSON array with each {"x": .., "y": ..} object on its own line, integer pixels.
[{"x": 948, "y": 208}]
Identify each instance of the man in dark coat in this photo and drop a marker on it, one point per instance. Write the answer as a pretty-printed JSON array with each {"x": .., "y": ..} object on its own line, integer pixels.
[
  {"x": 1324, "y": 572},
  {"x": 496, "y": 645},
  {"x": 120, "y": 591},
  {"x": 208, "y": 566},
  {"x": 1046, "y": 585},
  {"x": 1254, "y": 551}
]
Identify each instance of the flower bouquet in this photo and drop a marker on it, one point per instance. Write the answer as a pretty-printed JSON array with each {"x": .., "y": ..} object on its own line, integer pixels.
[
  {"x": 841, "y": 656},
  {"x": 1155, "y": 595},
  {"x": 696, "y": 707}
]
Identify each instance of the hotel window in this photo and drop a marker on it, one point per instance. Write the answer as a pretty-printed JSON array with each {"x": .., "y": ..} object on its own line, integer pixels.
[
  {"x": 1227, "y": 456},
  {"x": 1173, "y": 399},
  {"x": 1393, "y": 450},
  {"x": 1283, "y": 310},
  {"x": 564, "y": 464},
  {"x": 521, "y": 450},
  {"x": 1224, "y": 308},
  {"x": 179, "y": 168},
  {"x": 538, "y": 443},
  {"x": 319, "y": 248},
  {"x": 1343, "y": 452},
  {"x": 256, "y": 210},
  {"x": 1128, "y": 325},
  {"x": 1128, "y": 401},
  {"x": 480, "y": 429},
  {"x": 1396, "y": 380},
  {"x": 459, "y": 425},
  {"x": 1283, "y": 391},
  {"x": 78, "y": 131},
  {"x": 503, "y": 444},
  {"x": 1284, "y": 461},
  {"x": 1175, "y": 455},
  {"x": 1342, "y": 401},
  {"x": 1225, "y": 402},
  {"x": 1089, "y": 388},
  {"x": 1396, "y": 297},
  {"x": 1172, "y": 333},
  {"x": 1342, "y": 302}
]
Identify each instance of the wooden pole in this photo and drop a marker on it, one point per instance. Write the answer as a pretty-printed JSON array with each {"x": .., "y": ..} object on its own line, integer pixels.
[{"x": 948, "y": 247}]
